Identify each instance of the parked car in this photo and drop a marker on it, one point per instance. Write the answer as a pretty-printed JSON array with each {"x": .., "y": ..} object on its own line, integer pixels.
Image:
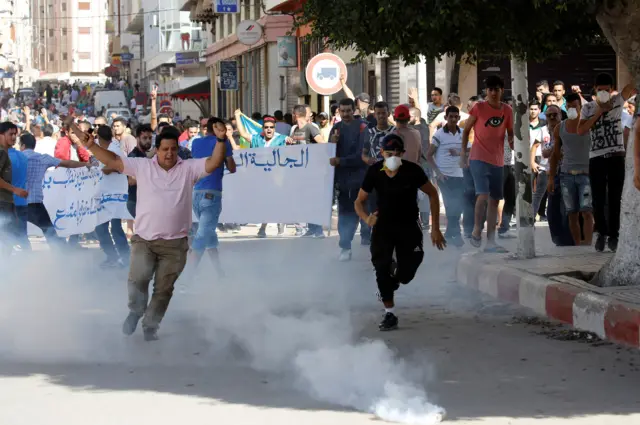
[{"x": 119, "y": 112}]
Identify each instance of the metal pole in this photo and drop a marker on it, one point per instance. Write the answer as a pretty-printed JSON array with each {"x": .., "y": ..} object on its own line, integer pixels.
[{"x": 524, "y": 200}]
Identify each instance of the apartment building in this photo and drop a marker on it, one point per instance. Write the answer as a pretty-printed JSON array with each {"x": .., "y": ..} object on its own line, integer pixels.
[
  {"x": 70, "y": 38},
  {"x": 15, "y": 44}
]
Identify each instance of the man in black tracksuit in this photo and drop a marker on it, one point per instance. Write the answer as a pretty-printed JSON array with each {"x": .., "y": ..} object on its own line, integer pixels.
[{"x": 395, "y": 223}]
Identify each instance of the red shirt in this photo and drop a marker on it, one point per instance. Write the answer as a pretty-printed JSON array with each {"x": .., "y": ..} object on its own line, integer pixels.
[{"x": 63, "y": 151}]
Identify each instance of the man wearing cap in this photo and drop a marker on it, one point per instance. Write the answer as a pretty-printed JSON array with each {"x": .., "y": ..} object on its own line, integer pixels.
[
  {"x": 411, "y": 137},
  {"x": 268, "y": 137},
  {"x": 362, "y": 102},
  {"x": 348, "y": 135},
  {"x": 325, "y": 126},
  {"x": 394, "y": 222}
]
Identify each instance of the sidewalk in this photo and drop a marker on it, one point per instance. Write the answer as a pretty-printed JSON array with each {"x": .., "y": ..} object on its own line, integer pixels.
[{"x": 550, "y": 285}]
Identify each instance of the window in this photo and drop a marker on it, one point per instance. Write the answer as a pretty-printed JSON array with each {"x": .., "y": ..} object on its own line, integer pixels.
[
  {"x": 64, "y": 56},
  {"x": 50, "y": 57},
  {"x": 42, "y": 10},
  {"x": 64, "y": 7},
  {"x": 50, "y": 32},
  {"x": 84, "y": 30},
  {"x": 84, "y": 5},
  {"x": 64, "y": 31},
  {"x": 84, "y": 55},
  {"x": 41, "y": 33}
]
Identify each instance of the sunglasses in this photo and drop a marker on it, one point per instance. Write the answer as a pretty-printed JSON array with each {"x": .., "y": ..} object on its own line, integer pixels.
[{"x": 269, "y": 127}]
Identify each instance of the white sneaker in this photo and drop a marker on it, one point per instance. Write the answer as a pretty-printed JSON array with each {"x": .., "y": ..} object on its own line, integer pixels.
[{"x": 345, "y": 255}]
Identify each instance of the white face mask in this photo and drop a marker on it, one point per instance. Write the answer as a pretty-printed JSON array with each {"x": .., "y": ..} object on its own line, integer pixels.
[
  {"x": 603, "y": 96},
  {"x": 572, "y": 113},
  {"x": 392, "y": 163}
]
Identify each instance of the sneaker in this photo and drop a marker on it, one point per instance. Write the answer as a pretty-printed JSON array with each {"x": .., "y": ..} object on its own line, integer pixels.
[
  {"x": 506, "y": 235},
  {"x": 111, "y": 264},
  {"x": 319, "y": 235},
  {"x": 309, "y": 234},
  {"x": 457, "y": 241},
  {"x": 299, "y": 232},
  {"x": 150, "y": 334},
  {"x": 262, "y": 233},
  {"x": 600, "y": 242},
  {"x": 130, "y": 324},
  {"x": 345, "y": 255},
  {"x": 612, "y": 243},
  {"x": 389, "y": 322}
]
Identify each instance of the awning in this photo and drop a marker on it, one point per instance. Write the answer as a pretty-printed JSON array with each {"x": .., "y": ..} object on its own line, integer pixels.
[
  {"x": 188, "y": 4},
  {"x": 198, "y": 91},
  {"x": 136, "y": 25},
  {"x": 288, "y": 6}
]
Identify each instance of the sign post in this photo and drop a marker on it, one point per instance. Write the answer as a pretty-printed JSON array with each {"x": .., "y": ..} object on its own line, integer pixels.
[
  {"x": 323, "y": 73},
  {"x": 226, "y": 6},
  {"x": 228, "y": 75}
]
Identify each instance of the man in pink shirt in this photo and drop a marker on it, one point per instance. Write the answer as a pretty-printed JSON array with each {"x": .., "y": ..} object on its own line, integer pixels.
[
  {"x": 162, "y": 223},
  {"x": 490, "y": 121}
]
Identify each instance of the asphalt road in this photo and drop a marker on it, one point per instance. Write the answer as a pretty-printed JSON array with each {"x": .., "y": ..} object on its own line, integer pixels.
[{"x": 290, "y": 336}]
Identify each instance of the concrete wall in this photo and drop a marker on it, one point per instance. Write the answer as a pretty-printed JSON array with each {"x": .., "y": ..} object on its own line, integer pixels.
[{"x": 468, "y": 81}]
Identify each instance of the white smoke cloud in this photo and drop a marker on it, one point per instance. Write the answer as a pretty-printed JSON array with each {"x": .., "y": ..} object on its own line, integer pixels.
[{"x": 294, "y": 320}]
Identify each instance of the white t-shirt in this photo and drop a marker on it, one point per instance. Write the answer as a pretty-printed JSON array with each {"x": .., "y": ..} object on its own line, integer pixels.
[
  {"x": 441, "y": 120},
  {"x": 132, "y": 104},
  {"x": 46, "y": 146},
  {"x": 445, "y": 140},
  {"x": 606, "y": 133},
  {"x": 541, "y": 135}
]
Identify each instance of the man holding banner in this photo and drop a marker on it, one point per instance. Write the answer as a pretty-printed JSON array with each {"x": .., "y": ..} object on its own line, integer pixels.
[
  {"x": 163, "y": 220},
  {"x": 260, "y": 137}
]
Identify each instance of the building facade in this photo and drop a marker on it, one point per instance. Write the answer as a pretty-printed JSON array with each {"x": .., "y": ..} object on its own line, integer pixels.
[
  {"x": 70, "y": 38},
  {"x": 16, "y": 69}
]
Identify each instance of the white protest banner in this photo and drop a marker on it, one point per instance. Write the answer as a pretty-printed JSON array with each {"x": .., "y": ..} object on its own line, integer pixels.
[
  {"x": 79, "y": 199},
  {"x": 292, "y": 184}
]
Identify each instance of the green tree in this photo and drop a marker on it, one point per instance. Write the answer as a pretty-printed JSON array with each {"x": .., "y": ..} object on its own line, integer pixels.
[
  {"x": 536, "y": 29},
  {"x": 533, "y": 30}
]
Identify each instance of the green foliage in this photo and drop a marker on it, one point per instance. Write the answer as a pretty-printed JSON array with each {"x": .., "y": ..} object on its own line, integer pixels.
[{"x": 532, "y": 29}]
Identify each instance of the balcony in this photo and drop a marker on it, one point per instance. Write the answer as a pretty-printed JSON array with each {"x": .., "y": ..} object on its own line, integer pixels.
[{"x": 136, "y": 25}]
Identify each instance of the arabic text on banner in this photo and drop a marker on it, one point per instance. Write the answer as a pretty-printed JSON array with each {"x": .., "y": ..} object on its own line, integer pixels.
[
  {"x": 79, "y": 199},
  {"x": 292, "y": 184}
]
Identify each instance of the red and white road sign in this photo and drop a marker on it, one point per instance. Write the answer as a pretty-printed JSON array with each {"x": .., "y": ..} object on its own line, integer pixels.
[{"x": 323, "y": 73}]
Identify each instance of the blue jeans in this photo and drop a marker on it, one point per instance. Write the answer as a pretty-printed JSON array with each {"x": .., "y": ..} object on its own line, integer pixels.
[
  {"x": 114, "y": 243},
  {"x": 469, "y": 203},
  {"x": 21, "y": 228},
  {"x": 315, "y": 229},
  {"x": 131, "y": 207},
  {"x": 576, "y": 192},
  {"x": 207, "y": 206},
  {"x": 452, "y": 190},
  {"x": 557, "y": 217},
  {"x": 348, "y": 219},
  {"x": 541, "y": 188},
  {"x": 487, "y": 178}
]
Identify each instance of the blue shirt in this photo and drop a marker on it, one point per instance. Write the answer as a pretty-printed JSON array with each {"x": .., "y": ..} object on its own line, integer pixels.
[
  {"x": 257, "y": 141},
  {"x": 18, "y": 174},
  {"x": 203, "y": 148},
  {"x": 38, "y": 164}
]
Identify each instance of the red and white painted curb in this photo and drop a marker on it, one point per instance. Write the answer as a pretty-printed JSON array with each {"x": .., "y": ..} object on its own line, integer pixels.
[{"x": 607, "y": 317}]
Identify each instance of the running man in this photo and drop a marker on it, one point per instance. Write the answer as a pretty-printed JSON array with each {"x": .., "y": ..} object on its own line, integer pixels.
[{"x": 395, "y": 222}]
